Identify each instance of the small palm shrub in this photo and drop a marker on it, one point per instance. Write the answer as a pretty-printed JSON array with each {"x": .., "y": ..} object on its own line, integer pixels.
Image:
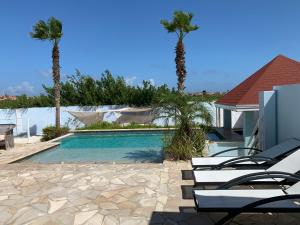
[
  {"x": 188, "y": 139},
  {"x": 52, "y": 132},
  {"x": 182, "y": 146}
]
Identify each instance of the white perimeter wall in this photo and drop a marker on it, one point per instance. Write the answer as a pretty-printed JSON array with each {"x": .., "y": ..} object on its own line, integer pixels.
[
  {"x": 279, "y": 115},
  {"x": 42, "y": 117},
  {"x": 288, "y": 111}
]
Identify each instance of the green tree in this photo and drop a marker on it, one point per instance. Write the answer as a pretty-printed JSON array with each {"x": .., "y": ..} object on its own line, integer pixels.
[
  {"x": 192, "y": 119},
  {"x": 181, "y": 25},
  {"x": 51, "y": 31}
]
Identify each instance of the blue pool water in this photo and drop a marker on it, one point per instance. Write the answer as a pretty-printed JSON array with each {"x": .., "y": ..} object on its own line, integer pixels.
[{"x": 119, "y": 147}]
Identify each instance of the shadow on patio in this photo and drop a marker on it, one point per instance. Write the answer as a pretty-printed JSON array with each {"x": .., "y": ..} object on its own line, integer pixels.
[{"x": 188, "y": 216}]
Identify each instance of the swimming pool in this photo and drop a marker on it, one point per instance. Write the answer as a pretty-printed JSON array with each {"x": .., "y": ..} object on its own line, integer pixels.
[
  {"x": 118, "y": 147},
  {"x": 108, "y": 147}
]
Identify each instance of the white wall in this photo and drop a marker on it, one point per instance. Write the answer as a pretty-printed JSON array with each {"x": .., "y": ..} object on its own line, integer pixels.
[
  {"x": 267, "y": 119},
  {"x": 288, "y": 111},
  {"x": 279, "y": 114},
  {"x": 45, "y": 116}
]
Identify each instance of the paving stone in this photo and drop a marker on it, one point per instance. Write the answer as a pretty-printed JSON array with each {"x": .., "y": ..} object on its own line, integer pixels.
[
  {"x": 118, "y": 199},
  {"x": 82, "y": 217},
  {"x": 44, "y": 220},
  {"x": 133, "y": 221},
  {"x": 162, "y": 199},
  {"x": 3, "y": 197},
  {"x": 110, "y": 220},
  {"x": 159, "y": 207},
  {"x": 88, "y": 207},
  {"x": 97, "y": 219},
  {"x": 149, "y": 191},
  {"x": 56, "y": 205},
  {"x": 127, "y": 205},
  {"x": 148, "y": 202},
  {"x": 121, "y": 212},
  {"x": 5, "y": 215},
  {"x": 117, "y": 181},
  {"x": 108, "y": 205},
  {"x": 84, "y": 187},
  {"x": 67, "y": 176},
  {"x": 27, "y": 216},
  {"x": 109, "y": 194}
]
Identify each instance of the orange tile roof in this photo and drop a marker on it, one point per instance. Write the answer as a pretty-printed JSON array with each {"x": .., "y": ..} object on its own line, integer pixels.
[{"x": 280, "y": 71}]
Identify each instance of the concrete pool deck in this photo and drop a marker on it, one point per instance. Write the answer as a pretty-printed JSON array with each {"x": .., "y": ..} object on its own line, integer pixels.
[{"x": 110, "y": 194}]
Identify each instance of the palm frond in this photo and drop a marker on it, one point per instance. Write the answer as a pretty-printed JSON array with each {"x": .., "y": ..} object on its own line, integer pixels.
[
  {"x": 170, "y": 27},
  {"x": 181, "y": 23},
  {"x": 40, "y": 30},
  {"x": 55, "y": 29},
  {"x": 50, "y": 30}
]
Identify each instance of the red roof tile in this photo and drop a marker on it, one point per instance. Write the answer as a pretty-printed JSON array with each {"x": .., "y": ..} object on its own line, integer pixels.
[{"x": 280, "y": 71}]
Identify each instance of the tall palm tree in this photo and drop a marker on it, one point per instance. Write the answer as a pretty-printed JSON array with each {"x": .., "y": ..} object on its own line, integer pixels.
[
  {"x": 181, "y": 25},
  {"x": 51, "y": 31}
]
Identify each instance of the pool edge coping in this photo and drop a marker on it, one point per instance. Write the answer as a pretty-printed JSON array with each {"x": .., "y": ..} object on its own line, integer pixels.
[{"x": 49, "y": 144}]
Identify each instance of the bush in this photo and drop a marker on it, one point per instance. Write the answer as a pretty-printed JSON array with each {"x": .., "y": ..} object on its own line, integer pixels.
[
  {"x": 106, "y": 125},
  {"x": 182, "y": 146},
  {"x": 189, "y": 138},
  {"x": 51, "y": 132}
]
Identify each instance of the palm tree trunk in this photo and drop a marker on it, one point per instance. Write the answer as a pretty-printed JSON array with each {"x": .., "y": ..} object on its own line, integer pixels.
[
  {"x": 56, "y": 80},
  {"x": 180, "y": 65}
]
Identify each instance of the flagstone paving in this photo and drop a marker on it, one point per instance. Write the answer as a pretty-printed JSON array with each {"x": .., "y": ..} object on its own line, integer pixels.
[{"x": 112, "y": 194}]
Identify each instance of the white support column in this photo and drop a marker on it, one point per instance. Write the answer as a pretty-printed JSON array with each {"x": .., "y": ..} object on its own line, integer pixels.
[
  {"x": 28, "y": 131},
  {"x": 267, "y": 119}
]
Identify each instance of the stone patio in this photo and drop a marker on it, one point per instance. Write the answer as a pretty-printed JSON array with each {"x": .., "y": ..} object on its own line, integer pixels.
[{"x": 107, "y": 194}]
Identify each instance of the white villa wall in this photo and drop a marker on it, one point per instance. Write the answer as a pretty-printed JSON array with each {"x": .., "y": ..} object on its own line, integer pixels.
[
  {"x": 44, "y": 116},
  {"x": 267, "y": 119},
  {"x": 288, "y": 111},
  {"x": 279, "y": 114}
]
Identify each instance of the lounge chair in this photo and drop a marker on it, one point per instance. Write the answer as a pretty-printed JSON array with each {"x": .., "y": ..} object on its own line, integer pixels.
[
  {"x": 235, "y": 202},
  {"x": 267, "y": 156},
  {"x": 289, "y": 164}
]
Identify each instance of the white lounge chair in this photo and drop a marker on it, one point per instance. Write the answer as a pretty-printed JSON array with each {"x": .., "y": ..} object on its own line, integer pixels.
[
  {"x": 268, "y": 156},
  {"x": 289, "y": 164},
  {"x": 235, "y": 202}
]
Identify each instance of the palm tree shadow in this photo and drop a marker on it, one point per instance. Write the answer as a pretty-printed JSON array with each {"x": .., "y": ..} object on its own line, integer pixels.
[{"x": 152, "y": 156}]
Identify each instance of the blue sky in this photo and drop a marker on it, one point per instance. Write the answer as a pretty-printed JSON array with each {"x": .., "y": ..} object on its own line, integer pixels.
[{"x": 234, "y": 40}]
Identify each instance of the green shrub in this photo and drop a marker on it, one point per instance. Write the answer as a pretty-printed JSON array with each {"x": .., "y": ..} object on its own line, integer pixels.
[
  {"x": 181, "y": 146},
  {"x": 189, "y": 137},
  {"x": 51, "y": 132},
  {"x": 107, "y": 125}
]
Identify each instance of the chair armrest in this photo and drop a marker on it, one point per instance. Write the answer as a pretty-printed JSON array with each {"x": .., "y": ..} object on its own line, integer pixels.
[
  {"x": 236, "y": 149},
  {"x": 254, "y": 159},
  {"x": 258, "y": 176}
]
